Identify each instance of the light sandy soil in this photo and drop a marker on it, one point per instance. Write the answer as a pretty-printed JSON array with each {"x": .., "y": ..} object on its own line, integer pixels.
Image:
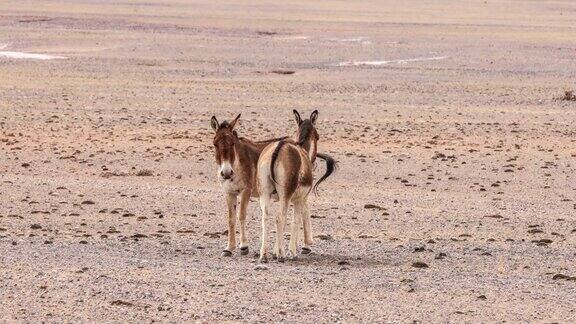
[{"x": 460, "y": 142}]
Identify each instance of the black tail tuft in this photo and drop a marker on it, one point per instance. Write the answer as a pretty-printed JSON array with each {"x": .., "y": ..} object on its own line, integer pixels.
[
  {"x": 274, "y": 158},
  {"x": 330, "y": 168}
]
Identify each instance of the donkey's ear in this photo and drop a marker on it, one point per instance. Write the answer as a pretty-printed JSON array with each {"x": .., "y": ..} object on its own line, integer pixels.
[
  {"x": 233, "y": 123},
  {"x": 214, "y": 123},
  {"x": 297, "y": 117},
  {"x": 313, "y": 117}
]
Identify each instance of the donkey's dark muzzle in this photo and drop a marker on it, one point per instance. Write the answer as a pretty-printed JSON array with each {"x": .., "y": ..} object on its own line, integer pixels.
[{"x": 226, "y": 175}]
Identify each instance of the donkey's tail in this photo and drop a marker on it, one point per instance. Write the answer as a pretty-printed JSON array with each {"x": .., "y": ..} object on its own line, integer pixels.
[
  {"x": 274, "y": 158},
  {"x": 330, "y": 168}
]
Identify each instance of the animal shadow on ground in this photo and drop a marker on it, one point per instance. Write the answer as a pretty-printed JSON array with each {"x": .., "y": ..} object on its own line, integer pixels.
[{"x": 319, "y": 259}]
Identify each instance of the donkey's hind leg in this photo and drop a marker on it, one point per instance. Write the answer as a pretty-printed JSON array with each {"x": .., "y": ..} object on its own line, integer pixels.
[
  {"x": 280, "y": 227},
  {"x": 265, "y": 206},
  {"x": 293, "y": 247},
  {"x": 307, "y": 227}
]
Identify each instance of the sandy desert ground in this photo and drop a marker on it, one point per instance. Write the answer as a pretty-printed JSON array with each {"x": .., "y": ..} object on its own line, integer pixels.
[{"x": 455, "y": 195}]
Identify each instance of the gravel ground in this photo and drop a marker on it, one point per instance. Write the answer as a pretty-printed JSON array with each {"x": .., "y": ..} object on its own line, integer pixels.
[{"x": 455, "y": 195}]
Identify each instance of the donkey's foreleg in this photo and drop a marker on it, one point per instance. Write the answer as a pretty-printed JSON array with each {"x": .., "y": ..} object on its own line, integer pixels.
[
  {"x": 244, "y": 200},
  {"x": 231, "y": 202},
  {"x": 280, "y": 228},
  {"x": 265, "y": 207},
  {"x": 307, "y": 227}
]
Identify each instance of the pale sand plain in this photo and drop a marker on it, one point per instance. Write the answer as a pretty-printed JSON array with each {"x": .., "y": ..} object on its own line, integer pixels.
[{"x": 443, "y": 114}]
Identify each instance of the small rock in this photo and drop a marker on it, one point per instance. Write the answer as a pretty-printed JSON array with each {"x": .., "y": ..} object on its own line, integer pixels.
[
  {"x": 560, "y": 276},
  {"x": 144, "y": 173},
  {"x": 372, "y": 206},
  {"x": 285, "y": 72},
  {"x": 420, "y": 265},
  {"x": 440, "y": 256},
  {"x": 325, "y": 237},
  {"x": 119, "y": 302}
]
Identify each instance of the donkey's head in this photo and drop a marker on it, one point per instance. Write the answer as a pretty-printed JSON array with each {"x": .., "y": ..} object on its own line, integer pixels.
[
  {"x": 225, "y": 139},
  {"x": 307, "y": 136}
]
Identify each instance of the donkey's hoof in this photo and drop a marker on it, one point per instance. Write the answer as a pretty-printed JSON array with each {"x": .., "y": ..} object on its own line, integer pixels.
[
  {"x": 226, "y": 253},
  {"x": 244, "y": 250},
  {"x": 281, "y": 259},
  {"x": 292, "y": 257},
  {"x": 263, "y": 259},
  {"x": 306, "y": 250}
]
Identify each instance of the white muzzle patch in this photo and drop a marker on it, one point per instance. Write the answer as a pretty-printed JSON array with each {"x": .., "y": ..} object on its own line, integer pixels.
[{"x": 226, "y": 172}]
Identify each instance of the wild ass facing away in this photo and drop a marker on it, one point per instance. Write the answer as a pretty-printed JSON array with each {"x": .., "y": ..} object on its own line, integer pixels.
[
  {"x": 237, "y": 158},
  {"x": 285, "y": 168}
]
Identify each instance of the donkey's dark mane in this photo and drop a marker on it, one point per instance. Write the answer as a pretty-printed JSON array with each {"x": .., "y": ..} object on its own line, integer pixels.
[
  {"x": 261, "y": 143},
  {"x": 224, "y": 124},
  {"x": 268, "y": 141},
  {"x": 305, "y": 128}
]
